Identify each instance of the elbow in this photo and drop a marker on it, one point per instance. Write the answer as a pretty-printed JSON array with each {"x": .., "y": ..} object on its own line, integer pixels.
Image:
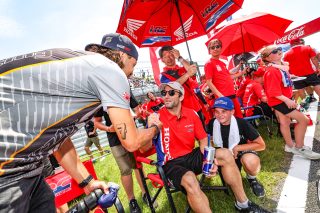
[{"x": 130, "y": 146}]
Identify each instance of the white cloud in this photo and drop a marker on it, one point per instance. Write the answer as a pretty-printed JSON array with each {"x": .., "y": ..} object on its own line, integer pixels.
[{"x": 10, "y": 28}]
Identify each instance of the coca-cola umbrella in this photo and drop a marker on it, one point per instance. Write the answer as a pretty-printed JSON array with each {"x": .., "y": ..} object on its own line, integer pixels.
[
  {"x": 250, "y": 33},
  {"x": 154, "y": 23}
]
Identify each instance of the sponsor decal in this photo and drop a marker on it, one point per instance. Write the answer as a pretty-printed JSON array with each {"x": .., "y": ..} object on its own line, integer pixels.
[
  {"x": 158, "y": 29},
  {"x": 35, "y": 55},
  {"x": 133, "y": 25},
  {"x": 294, "y": 34},
  {"x": 186, "y": 26},
  {"x": 126, "y": 96},
  {"x": 62, "y": 186},
  {"x": 155, "y": 39},
  {"x": 208, "y": 9},
  {"x": 221, "y": 102},
  {"x": 219, "y": 68},
  {"x": 214, "y": 18},
  {"x": 166, "y": 140}
]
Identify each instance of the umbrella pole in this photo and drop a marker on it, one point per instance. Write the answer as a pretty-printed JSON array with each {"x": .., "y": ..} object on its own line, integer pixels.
[{"x": 185, "y": 37}]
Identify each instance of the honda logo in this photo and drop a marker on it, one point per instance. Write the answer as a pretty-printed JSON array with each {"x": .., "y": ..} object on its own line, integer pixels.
[
  {"x": 133, "y": 25},
  {"x": 186, "y": 26}
]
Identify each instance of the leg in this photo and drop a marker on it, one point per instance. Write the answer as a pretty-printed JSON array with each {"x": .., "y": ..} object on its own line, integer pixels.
[
  {"x": 231, "y": 173},
  {"x": 197, "y": 199},
  {"x": 127, "y": 184},
  {"x": 87, "y": 146},
  {"x": 317, "y": 89},
  {"x": 284, "y": 122},
  {"x": 136, "y": 172},
  {"x": 96, "y": 142},
  {"x": 300, "y": 128}
]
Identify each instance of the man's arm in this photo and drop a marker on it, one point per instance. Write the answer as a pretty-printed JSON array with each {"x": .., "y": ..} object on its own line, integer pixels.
[
  {"x": 98, "y": 123},
  {"x": 130, "y": 137},
  {"x": 68, "y": 158},
  {"x": 203, "y": 143},
  {"x": 213, "y": 88},
  {"x": 315, "y": 62}
]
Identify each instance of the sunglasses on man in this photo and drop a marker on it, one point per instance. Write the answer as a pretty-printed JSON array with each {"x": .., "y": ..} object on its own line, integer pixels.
[
  {"x": 214, "y": 47},
  {"x": 275, "y": 51},
  {"x": 170, "y": 92}
]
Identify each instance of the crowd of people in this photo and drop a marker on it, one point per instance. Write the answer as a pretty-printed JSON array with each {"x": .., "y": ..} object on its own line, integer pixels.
[{"x": 40, "y": 114}]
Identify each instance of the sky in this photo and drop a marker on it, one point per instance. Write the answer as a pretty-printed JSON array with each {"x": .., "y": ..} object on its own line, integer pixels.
[{"x": 31, "y": 25}]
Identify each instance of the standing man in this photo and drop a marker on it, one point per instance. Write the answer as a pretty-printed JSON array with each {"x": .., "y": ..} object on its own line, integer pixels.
[
  {"x": 46, "y": 97},
  {"x": 300, "y": 57},
  {"x": 92, "y": 138},
  {"x": 219, "y": 79},
  {"x": 241, "y": 138},
  {"x": 182, "y": 161},
  {"x": 184, "y": 75}
]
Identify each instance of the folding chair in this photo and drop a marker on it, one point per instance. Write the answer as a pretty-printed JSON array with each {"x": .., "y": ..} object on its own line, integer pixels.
[
  {"x": 160, "y": 181},
  {"x": 252, "y": 119}
]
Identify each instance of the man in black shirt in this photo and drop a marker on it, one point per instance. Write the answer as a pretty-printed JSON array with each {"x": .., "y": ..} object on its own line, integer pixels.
[
  {"x": 241, "y": 138},
  {"x": 92, "y": 137}
]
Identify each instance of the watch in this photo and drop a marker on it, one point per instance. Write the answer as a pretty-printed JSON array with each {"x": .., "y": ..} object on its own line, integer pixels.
[{"x": 85, "y": 182}]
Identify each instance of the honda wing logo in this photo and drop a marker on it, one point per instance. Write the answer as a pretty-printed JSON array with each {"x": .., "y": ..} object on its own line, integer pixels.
[
  {"x": 186, "y": 26},
  {"x": 133, "y": 25}
]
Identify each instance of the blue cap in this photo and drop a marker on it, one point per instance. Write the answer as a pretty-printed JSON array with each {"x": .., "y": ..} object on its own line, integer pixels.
[
  {"x": 116, "y": 41},
  {"x": 224, "y": 103}
]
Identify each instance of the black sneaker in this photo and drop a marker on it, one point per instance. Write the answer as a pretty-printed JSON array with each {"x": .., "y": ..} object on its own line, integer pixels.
[
  {"x": 252, "y": 208},
  {"x": 145, "y": 200},
  {"x": 256, "y": 187},
  {"x": 134, "y": 207}
]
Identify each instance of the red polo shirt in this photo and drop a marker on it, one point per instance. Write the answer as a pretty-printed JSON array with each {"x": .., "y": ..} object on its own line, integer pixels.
[
  {"x": 252, "y": 95},
  {"x": 217, "y": 71},
  {"x": 190, "y": 99},
  {"x": 178, "y": 134},
  {"x": 299, "y": 60},
  {"x": 274, "y": 87}
]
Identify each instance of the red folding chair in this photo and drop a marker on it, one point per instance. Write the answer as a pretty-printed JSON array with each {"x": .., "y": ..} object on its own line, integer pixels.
[{"x": 160, "y": 181}]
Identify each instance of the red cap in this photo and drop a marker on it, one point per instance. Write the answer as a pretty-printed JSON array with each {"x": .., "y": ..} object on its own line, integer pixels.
[
  {"x": 259, "y": 72},
  {"x": 295, "y": 41}
]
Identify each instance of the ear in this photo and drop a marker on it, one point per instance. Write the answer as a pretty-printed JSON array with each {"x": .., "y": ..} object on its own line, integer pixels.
[
  {"x": 232, "y": 112},
  {"x": 181, "y": 97}
]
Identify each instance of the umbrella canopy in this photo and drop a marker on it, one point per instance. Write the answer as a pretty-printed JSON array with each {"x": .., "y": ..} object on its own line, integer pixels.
[
  {"x": 154, "y": 23},
  {"x": 250, "y": 33}
]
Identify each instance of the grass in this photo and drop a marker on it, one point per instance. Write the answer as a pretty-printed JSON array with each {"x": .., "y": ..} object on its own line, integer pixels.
[{"x": 274, "y": 163}]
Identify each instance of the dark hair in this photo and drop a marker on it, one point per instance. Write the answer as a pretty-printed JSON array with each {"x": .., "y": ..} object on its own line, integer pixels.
[
  {"x": 113, "y": 55},
  {"x": 164, "y": 48},
  {"x": 148, "y": 94}
]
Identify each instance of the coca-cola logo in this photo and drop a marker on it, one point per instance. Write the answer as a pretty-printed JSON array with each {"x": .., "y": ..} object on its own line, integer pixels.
[{"x": 294, "y": 34}]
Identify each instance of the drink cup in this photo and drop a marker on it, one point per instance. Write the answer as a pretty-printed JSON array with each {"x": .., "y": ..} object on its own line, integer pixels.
[{"x": 208, "y": 157}]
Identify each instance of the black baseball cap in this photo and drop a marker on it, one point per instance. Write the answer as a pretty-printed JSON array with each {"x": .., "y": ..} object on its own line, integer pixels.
[{"x": 116, "y": 41}]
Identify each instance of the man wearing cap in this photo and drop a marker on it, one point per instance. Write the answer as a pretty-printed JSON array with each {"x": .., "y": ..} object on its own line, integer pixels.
[
  {"x": 254, "y": 95},
  {"x": 181, "y": 161},
  {"x": 300, "y": 57},
  {"x": 241, "y": 139},
  {"x": 185, "y": 76},
  {"x": 46, "y": 97}
]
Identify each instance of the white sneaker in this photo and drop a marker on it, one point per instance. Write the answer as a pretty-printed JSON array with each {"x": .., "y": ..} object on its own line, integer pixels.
[
  {"x": 306, "y": 152},
  {"x": 289, "y": 149}
]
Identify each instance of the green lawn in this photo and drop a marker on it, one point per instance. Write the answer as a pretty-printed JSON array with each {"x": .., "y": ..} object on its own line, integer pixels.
[{"x": 274, "y": 169}]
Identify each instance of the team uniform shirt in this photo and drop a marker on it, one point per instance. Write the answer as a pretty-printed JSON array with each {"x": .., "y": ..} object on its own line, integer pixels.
[
  {"x": 217, "y": 71},
  {"x": 252, "y": 96},
  {"x": 274, "y": 86},
  {"x": 190, "y": 99},
  {"x": 177, "y": 136},
  {"x": 298, "y": 58},
  {"x": 243, "y": 86},
  {"x": 155, "y": 106},
  {"x": 46, "y": 97},
  {"x": 89, "y": 127}
]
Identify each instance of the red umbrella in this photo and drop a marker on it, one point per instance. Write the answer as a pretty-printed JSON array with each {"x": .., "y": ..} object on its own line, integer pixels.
[
  {"x": 154, "y": 23},
  {"x": 250, "y": 33}
]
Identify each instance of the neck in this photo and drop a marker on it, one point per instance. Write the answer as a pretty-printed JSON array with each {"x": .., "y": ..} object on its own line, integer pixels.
[
  {"x": 173, "y": 66},
  {"x": 215, "y": 56}
]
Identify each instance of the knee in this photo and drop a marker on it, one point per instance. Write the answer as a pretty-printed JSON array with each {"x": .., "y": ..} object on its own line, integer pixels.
[
  {"x": 304, "y": 120},
  {"x": 224, "y": 155},
  {"x": 190, "y": 183},
  {"x": 251, "y": 164}
]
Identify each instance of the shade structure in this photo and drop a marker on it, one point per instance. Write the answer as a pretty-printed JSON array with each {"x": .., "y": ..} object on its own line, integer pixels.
[
  {"x": 154, "y": 23},
  {"x": 250, "y": 33}
]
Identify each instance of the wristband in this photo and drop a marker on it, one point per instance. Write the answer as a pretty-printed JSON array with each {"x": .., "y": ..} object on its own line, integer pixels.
[
  {"x": 180, "y": 59},
  {"x": 85, "y": 182},
  {"x": 153, "y": 125}
]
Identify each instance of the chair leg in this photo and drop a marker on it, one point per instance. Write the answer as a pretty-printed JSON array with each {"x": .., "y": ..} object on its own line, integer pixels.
[
  {"x": 144, "y": 183},
  {"x": 166, "y": 187}
]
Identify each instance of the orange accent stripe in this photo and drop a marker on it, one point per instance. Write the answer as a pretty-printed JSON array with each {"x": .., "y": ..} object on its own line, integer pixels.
[{"x": 40, "y": 133}]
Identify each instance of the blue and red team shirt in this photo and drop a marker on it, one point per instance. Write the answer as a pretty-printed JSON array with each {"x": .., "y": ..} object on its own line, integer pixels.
[
  {"x": 273, "y": 86},
  {"x": 299, "y": 60},
  {"x": 217, "y": 71},
  {"x": 252, "y": 95},
  {"x": 177, "y": 136}
]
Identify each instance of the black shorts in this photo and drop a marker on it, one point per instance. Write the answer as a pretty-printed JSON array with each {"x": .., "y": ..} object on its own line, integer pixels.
[
  {"x": 283, "y": 108},
  {"x": 176, "y": 168},
  {"x": 311, "y": 80},
  {"x": 240, "y": 154}
]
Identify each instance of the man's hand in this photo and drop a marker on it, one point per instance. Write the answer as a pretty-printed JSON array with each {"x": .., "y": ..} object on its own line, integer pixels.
[
  {"x": 175, "y": 53},
  {"x": 235, "y": 151},
  {"x": 192, "y": 70},
  {"x": 153, "y": 119},
  {"x": 96, "y": 184},
  {"x": 291, "y": 104},
  {"x": 213, "y": 170}
]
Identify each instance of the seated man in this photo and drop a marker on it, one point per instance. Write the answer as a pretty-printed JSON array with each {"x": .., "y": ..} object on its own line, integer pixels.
[
  {"x": 182, "y": 161},
  {"x": 241, "y": 138}
]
